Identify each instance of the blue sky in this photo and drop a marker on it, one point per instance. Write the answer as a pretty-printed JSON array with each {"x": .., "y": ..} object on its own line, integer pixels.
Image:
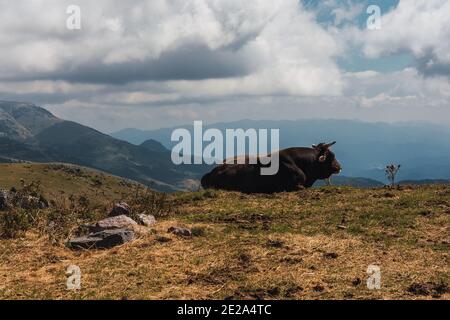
[
  {"x": 326, "y": 17},
  {"x": 355, "y": 60}
]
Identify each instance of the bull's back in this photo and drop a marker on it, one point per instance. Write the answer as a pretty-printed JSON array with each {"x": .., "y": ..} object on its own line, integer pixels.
[
  {"x": 297, "y": 155},
  {"x": 234, "y": 177}
]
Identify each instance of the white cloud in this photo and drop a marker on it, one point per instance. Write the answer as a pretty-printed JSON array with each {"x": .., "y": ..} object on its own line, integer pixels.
[
  {"x": 417, "y": 26},
  {"x": 256, "y": 46},
  {"x": 404, "y": 83},
  {"x": 345, "y": 11}
]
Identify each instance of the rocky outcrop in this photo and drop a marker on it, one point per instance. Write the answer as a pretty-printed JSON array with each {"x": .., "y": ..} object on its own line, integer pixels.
[
  {"x": 115, "y": 230},
  {"x": 4, "y": 200},
  {"x": 117, "y": 222},
  {"x": 121, "y": 208},
  {"x": 183, "y": 232},
  {"x": 31, "y": 202},
  {"x": 145, "y": 219},
  {"x": 14, "y": 198},
  {"x": 105, "y": 239}
]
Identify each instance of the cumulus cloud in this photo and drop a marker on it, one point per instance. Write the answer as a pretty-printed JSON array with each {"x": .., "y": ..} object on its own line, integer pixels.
[
  {"x": 417, "y": 26},
  {"x": 398, "y": 90},
  {"x": 161, "y": 40}
]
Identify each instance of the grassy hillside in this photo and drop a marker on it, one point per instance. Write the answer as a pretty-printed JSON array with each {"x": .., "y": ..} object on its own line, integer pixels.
[
  {"x": 60, "y": 181},
  {"x": 312, "y": 244}
]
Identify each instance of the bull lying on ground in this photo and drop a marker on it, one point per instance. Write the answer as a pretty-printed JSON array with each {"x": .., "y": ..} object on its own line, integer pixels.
[{"x": 298, "y": 168}]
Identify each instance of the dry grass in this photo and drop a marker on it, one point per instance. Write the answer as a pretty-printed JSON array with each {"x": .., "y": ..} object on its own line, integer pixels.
[
  {"x": 62, "y": 181},
  {"x": 314, "y": 244}
]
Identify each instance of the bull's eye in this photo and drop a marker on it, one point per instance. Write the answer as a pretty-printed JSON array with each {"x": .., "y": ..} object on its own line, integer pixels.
[{"x": 322, "y": 158}]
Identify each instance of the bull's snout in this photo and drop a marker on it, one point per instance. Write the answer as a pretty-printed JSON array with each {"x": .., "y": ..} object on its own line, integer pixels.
[{"x": 337, "y": 168}]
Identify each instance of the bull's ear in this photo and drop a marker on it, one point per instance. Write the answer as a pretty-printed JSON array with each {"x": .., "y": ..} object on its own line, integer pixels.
[
  {"x": 318, "y": 146},
  {"x": 322, "y": 158}
]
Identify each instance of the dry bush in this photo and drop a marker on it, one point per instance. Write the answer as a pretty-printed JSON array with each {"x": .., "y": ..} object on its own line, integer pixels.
[
  {"x": 57, "y": 221},
  {"x": 13, "y": 223},
  {"x": 65, "y": 219},
  {"x": 150, "y": 202}
]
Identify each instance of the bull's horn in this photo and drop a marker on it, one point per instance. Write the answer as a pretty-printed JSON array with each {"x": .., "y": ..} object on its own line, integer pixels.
[{"x": 330, "y": 144}]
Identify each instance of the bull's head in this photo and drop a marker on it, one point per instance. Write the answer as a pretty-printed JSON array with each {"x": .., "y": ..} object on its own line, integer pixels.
[{"x": 328, "y": 164}]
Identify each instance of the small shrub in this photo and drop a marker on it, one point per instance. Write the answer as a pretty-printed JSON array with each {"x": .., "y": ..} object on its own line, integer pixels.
[
  {"x": 151, "y": 202},
  {"x": 391, "y": 173},
  {"x": 61, "y": 221},
  {"x": 13, "y": 223},
  {"x": 210, "y": 194},
  {"x": 59, "y": 224},
  {"x": 198, "y": 231}
]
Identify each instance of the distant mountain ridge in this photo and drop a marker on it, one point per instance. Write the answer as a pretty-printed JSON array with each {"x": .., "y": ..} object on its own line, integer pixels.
[
  {"x": 154, "y": 145},
  {"x": 20, "y": 120}
]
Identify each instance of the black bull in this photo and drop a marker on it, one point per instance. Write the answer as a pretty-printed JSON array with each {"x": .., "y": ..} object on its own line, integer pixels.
[{"x": 298, "y": 168}]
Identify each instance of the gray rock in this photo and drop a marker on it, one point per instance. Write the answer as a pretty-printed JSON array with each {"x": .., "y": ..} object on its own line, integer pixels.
[
  {"x": 163, "y": 239},
  {"x": 120, "y": 208},
  {"x": 43, "y": 203},
  {"x": 117, "y": 222},
  {"x": 180, "y": 231},
  {"x": 102, "y": 240},
  {"x": 30, "y": 202},
  {"x": 4, "y": 199},
  {"x": 146, "y": 219}
]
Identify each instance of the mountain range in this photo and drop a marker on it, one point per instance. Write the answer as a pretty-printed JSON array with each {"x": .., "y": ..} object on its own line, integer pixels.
[{"x": 29, "y": 132}]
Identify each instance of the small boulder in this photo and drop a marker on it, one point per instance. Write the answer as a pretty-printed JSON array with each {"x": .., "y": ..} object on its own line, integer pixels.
[
  {"x": 105, "y": 239},
  {"x": 163, "y": 239},
  {"x": 318, "y": 288},
  {"x": 116, "y": 222},
  {"x": 180, "y": 231},
  {"x": 12, "y": 198},
  {"x": 32, "y": 202},
  {"x": 29, "y": 202},
  {"x": 43, "y": 203},
  {"x": 146, "y": 219},
  {"x": 121, "y": 208},
  {"x": 330, "y": 255},
  {"x": 429, "y": 288},
  {"x": 356, "y": 282},
  {"x": 4, "y": 200}
]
